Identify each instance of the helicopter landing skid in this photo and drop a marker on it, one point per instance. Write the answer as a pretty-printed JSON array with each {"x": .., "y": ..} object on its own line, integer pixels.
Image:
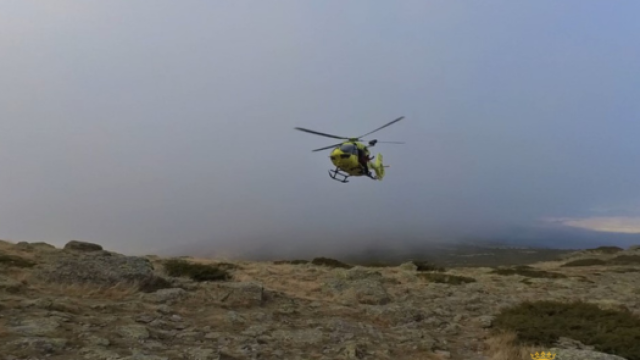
[{"x": 335, "y": 173}]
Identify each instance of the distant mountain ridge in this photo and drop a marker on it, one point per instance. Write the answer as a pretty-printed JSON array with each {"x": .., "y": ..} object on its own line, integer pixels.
[{"x": 523, "y": 244}]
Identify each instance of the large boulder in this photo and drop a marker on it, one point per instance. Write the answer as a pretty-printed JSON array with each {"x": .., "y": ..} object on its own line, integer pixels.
[
  {"x": 100, "y": 268},
  {"x": 82, "y": 246}
]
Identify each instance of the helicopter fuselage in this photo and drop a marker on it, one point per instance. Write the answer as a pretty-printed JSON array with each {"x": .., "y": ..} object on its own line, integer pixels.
[{"x": 346, "y": 157}]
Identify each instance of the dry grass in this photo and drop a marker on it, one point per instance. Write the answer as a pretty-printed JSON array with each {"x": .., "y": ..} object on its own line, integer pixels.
[
  {"x": 446, "y": 278},
  {"x": 116, "y": 292},
  {"x": 3, "y": 330},
  {"x": 299, "y": 281},
  {"x": 504, "y": 346},
  {"x": 527, "y": 271}
]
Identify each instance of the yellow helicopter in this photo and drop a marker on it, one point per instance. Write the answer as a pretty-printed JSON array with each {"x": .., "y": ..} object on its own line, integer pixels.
[{"x": 351, "y": 157}]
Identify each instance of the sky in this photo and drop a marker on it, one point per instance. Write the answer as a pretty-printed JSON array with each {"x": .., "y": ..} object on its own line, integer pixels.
[{"x": 145, "y": 126}]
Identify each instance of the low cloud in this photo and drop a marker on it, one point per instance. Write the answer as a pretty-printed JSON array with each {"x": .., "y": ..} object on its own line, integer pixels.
[{"x": 615, "y": 224}]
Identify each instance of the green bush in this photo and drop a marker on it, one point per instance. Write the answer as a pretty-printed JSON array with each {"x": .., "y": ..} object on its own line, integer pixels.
[
  {"x": 377, "y": 264},
  {"x": 154, "y": 283},
  {"x": 625, "y": 260},
  {"x": 16, "y": 261},
  {"x": 322, "y": 261},
  {"x": 625, "y": 270},
  {"x": 542, "y": 323},
  {"x": 606, "y": 250},
  {"x": 197, "y": 272},
  {"x": 528, "y": 272},
  {"x": 227, "y": 266},
  {"x": 585, "y": 262},
  {"x": 446, "y": 278},
  {"x": 292, "y": 262},
  {"x": 427, "y": 266}
]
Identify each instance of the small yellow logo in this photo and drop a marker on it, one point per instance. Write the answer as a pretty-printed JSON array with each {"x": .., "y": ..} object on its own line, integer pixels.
[{"x": 543, "y": 356}]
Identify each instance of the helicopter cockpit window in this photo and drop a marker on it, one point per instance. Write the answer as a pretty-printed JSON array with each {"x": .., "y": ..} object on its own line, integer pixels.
[{"x": 348, "y": 149}]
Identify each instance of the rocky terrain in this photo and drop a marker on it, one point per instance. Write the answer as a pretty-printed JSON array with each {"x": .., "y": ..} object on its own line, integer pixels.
[{"x": 83, "y": 302}]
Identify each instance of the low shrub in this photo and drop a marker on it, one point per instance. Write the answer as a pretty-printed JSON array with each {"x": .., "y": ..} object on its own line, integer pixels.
[
  {"x": 328, "y": 262},
  {"x": 446, "y": 278},
  {"x": 528, "y": 272},
  {"x": 153, "y": 284},
  {"x": 542, "y": 323},
  {"x": 625, "y": 260},
  {"x": 16, "y": 261},
  {"x": 292, "y": 262},
  {"x": 584, "y": 262},
  {"x": 605, "y": 250},
  {"x": 377, "y": 264},
  {"x": 197, "y": 272},
  {"x": 423, "y": 266},
  {"x": 624, "y": 270},
  {"x": 227, "y": 266}
]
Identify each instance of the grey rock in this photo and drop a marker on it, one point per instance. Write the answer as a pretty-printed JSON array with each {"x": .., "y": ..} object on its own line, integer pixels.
[
  {"x": 354, "y": 351},
  {"x": 359, "y": 286},
  {"x": 41, "y": 344},
  {"x": 137, "y": 355},
  {"x": 166, "y": 309},
  {"x": 201, "y": 354},
  {"x": 167, "y": 296},
  {"x": 99, "y": 268},
  {"x": 145, "y": 318},
  {"x": 36, "y": 327},
  {"x": 137, "y": 332},
  {"x": 189, "y": 335},
  {"x": 303, "y": 336},
  {"x": 82, "y": 246},
  {"x": 567, "y": 343},
  {"x": 96, "y": 341},
  {"x": 99, "y": 354},
  {"x": 486, "y": 321},
  {"x": 579, "y": 354},
  {"x": 10, "y": 286},
  {"x": 241, "y": 294}
]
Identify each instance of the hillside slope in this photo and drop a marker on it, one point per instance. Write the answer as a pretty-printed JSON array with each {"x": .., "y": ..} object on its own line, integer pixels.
[{"x": 83, "y": 302}]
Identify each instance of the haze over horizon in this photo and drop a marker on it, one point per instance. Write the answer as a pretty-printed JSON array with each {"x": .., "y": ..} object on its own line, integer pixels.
[{"x": 145, "y": 128}]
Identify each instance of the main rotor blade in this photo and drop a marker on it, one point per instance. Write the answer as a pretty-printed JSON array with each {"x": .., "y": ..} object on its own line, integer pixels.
[
  {"x": 327, "y": 147},
  {"x": 319, "y": 133},
  {"x": 390, "y": 142},
  {"x": 382, "y": 127}
]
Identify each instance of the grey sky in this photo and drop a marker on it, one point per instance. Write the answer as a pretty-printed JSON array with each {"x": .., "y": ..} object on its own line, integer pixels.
[{"x": 147, "y": 125}]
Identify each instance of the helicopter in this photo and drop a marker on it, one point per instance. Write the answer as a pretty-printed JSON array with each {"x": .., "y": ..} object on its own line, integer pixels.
[{"x": 351, "y": 157}]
